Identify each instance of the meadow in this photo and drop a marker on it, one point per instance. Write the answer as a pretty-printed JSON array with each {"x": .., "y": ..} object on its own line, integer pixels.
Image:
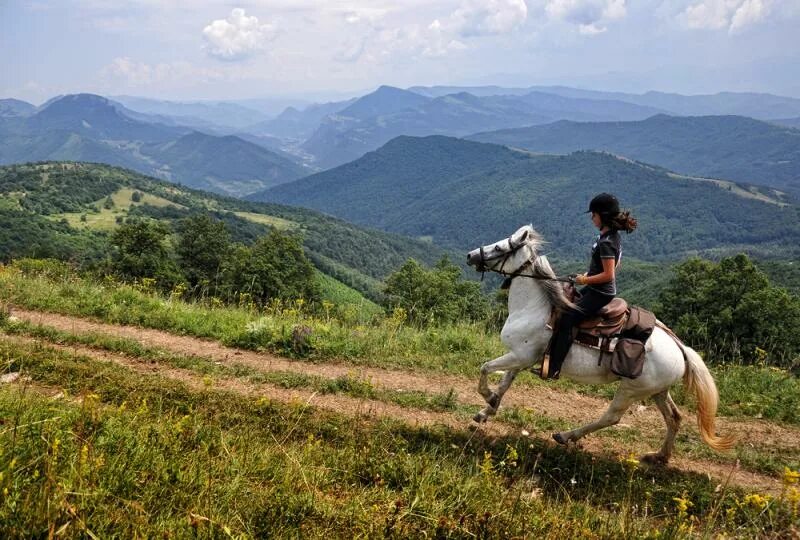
[{"x": 110, "y": 436}]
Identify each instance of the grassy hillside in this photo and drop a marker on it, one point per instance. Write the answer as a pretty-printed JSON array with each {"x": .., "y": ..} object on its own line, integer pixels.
[
  {"x": 61, "y": 208},
  {"x": 111, "y": 430},
  {"x": 730, "y": 147},
  {"x": 462, "y": 193}
]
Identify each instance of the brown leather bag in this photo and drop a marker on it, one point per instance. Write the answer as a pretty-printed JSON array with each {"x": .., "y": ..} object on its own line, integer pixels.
[{"x": 627, "y": 360}]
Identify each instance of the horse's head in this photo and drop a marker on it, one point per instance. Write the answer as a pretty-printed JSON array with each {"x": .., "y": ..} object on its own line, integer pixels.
[{"x": 506, "y": 255}]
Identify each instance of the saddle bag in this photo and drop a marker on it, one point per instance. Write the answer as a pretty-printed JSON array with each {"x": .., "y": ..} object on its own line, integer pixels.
[{"x": 627, "y": 360}]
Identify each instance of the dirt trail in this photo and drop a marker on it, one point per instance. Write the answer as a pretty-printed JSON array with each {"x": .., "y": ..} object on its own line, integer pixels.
[{"x": 568, "y": 405}]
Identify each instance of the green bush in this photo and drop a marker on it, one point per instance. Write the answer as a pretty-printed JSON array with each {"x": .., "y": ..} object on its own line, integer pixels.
[
  {"x": 140, "y": 252},
  {"x": 274, "y": 267},
  {"x": 731, "y": 311},
  {"x": 439, "y": 295},
  {"x": 202, "y": 245}
]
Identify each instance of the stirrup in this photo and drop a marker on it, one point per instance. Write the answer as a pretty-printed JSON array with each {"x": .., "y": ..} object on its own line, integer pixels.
[{"x": 544, "y": 372}]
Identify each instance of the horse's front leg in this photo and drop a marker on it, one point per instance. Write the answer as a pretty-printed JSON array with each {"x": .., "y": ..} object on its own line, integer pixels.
[{"x": 508, "y": 363}]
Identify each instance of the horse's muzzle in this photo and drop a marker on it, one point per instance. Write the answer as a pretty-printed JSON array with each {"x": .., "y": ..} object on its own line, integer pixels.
[{"x": 475, "y": 259}]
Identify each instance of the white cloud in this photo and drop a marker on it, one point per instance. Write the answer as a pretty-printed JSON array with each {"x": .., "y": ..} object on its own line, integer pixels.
[
  {"x": 733, "y": 15},
  {"x": 436, "y": 41},
  {"x": 238, "y": 36},
  {"x": 591, "y": 16},
  {"x": 591, "y": 29},
  {"x": 487, "y": 17},
  {"x": 750, "y": 12},
  {"x": 449, "y": 34},
  {"x": 351, "y": 50}
]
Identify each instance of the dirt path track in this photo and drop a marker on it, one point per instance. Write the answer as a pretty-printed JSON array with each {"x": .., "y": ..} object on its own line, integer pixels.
[{"x": 570, "y": 406}]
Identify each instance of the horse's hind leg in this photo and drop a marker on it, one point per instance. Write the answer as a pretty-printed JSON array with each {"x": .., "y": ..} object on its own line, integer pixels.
[
  {"x": 612, "y": 416},
  {"x": 672, "y": 417}
]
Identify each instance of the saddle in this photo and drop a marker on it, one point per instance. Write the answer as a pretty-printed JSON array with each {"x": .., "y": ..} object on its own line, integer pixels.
[
  {"x": 607, "y": 323},
  {"x": 618, "y": 329}
]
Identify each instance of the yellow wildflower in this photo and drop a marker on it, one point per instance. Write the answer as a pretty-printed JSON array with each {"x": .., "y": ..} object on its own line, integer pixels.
[
  {"x": 683, "y": 503},
  {"x": 793, "y": 496},
  {"x": 487, "y": 467},
  {"x": 630, "y": 462},
  {"x": 790, "y": 477},
  {"x": 756, "y": 500}
]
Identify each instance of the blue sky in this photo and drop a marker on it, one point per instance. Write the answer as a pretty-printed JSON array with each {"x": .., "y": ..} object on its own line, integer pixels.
[{"x": 326, "y": 49}]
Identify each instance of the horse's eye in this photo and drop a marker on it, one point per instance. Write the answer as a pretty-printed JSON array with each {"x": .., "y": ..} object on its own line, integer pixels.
[{"x": 497, "y": 248}]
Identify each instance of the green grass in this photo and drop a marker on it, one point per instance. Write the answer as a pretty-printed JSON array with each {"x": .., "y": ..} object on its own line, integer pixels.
[
  {"x": 143, "y": 456},
  {"x": 264, "y": 219},
  {"x": 767, "y": 459},
  {"x": 340, "y": 333},
  {"x": 337, "y": 335},
  {"x": 337, "y": 293},
  {"x": 106, "y": 218}
]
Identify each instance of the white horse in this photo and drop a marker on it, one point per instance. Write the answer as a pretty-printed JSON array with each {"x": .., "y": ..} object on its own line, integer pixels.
[{"x": 532, "y": 295}]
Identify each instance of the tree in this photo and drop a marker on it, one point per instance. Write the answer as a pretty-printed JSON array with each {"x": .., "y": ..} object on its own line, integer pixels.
[
  {"x": 437, "y": 295},
  {"x": 202, "y": 245},
  {"x": 274, "y": 267},
  {"x": 140, "y": 251},
  {"x": 730, "y": 309}
]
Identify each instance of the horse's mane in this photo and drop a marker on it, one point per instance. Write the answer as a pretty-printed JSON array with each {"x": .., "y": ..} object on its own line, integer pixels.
[{"x": 554, "y": 290}]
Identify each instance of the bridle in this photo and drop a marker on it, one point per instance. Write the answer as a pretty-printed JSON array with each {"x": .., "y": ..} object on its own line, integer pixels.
[{"x": 482, "y": 268}]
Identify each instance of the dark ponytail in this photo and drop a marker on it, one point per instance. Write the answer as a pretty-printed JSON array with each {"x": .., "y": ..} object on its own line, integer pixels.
[{"x": 623, "y": 221}]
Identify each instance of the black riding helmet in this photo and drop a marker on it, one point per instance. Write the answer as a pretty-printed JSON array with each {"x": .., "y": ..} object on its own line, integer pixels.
[{"x": 604, "y": 204}]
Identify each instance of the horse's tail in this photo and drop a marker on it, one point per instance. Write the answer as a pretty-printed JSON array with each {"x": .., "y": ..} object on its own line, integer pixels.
[{"x": 698, "y": 380}]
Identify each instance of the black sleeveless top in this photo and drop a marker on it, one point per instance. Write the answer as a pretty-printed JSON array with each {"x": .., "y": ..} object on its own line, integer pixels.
[{"x": 606, "y": 246}]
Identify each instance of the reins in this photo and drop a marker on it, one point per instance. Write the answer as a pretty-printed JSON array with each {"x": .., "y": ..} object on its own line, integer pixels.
[{"x": 519, "y": 272}]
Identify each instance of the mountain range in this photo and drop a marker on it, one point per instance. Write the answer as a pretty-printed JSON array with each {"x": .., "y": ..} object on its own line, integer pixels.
[
  {"x": 198, "y": 114},
  {"x": 232, "y": 148},
  {"x": 374, "y": 119},
  {"x": 86, "y": 127},
  {"x": 752, "y": 104},
  {"x": 730, "y": 147},
  {"x": 463, "y": 193}
]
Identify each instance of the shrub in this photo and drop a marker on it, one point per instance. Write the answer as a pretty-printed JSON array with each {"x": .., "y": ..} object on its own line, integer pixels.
[
  {"x": 438, "y": 295},
  {"x": 730, "y": 310}
]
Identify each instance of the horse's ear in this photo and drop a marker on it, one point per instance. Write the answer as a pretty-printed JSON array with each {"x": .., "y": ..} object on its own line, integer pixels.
[{"x": 525, "y": 235}]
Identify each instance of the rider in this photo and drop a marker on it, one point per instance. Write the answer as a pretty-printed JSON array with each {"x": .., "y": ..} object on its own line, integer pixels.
[{"x": 600, "y": 285}]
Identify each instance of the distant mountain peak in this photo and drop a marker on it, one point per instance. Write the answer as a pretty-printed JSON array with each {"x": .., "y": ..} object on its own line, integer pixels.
[
  {"x": 15, "y": 107},
  {"x": 384, "y": 100},
  {"x": 81, "y": 99}
]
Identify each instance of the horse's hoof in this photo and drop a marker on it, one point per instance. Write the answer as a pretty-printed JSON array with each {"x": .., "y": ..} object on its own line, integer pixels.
[
  {"x": 560, "y": 439},
  {"x": 480, "y": 417},
  {"x": 493, "y": 401},
  {"x": 654, "y": 458}
]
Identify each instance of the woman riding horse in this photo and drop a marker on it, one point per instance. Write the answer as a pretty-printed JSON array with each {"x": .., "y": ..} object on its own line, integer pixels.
[{"x": 600, "y": 283}]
